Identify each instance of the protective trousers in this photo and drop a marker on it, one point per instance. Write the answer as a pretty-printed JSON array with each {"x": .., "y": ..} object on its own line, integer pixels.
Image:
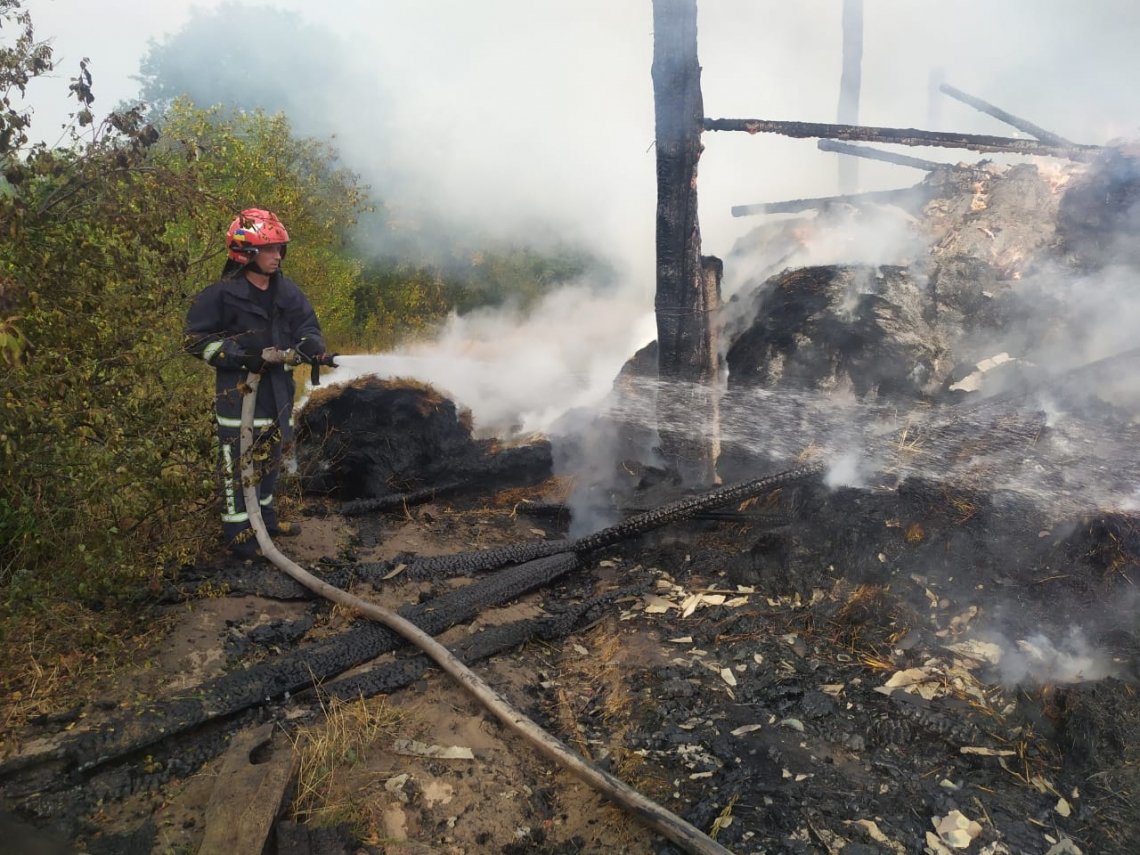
[{"x": 266, "y": 459}]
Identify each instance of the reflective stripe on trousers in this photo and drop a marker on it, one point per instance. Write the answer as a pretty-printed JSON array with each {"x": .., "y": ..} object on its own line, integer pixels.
[{"x": 267, "y": 465}]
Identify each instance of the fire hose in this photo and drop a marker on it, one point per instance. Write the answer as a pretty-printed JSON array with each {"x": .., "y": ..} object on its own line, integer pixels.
[{"x": 671, "y": 826}]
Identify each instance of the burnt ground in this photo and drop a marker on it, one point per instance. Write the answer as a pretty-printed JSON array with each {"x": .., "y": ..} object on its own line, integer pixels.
[
  {"x": 938, "y": 655},
  {"x": 819, "y": 670}
]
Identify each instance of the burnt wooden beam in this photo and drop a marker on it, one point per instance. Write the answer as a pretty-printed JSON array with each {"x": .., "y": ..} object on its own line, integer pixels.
[
  {"x": 906, "y": 196},
  {"x": 249, "y": 795},
  {"x": 879, "y": 154},
  {"x": 683, "y": 303},
  {"x": 998, "y": 113},
  {"x": 904, "y": 136}
]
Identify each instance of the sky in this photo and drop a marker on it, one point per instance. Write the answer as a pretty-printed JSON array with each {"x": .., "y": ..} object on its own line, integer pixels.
[
  {"x": 528, "y": 114},
  {"x": 517, "y": 109}
]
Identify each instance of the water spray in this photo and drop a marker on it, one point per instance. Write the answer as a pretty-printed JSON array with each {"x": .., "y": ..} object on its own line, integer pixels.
[{"x": 671, "y": 826}]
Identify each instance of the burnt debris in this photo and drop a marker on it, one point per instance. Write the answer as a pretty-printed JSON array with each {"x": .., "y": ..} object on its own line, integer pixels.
[{"x": 390, "y": 442}]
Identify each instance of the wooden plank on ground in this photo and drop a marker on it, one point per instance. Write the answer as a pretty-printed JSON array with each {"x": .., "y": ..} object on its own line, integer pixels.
[{"x": 248, "y": 795}]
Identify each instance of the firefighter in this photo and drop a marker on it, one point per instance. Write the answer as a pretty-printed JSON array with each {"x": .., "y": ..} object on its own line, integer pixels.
[{"x": 253, "y": 306}]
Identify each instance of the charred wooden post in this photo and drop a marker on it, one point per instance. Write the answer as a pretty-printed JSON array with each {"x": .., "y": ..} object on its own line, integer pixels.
[
  {"x": 905, "y": 136},
  {"x": 850, "y": 82},
  {"x": 879, "y": 154},
  {"x": 693, "y": 405},
  {"x": 684, "y": 302},
  {"x": 1000, "y": 114},
  {"x": 904, "y": 197}
]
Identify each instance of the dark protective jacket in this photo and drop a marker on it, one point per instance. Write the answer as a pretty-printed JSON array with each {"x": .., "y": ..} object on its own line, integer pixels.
[{"x": 225, "y": 323}]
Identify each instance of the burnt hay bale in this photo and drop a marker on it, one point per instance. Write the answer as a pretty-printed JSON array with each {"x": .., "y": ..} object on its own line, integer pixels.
[
  {"x": 375, "y": 439},
  {"x": 833, "y": 327},
  {"x": 1099, "y": 217}
]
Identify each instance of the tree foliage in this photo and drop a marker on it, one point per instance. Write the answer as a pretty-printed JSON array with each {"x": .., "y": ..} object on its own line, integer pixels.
[
  {"x": 251, "y": 159},
  {"x": 106, "y": 426},
  {"x": 98, "y": 460}
]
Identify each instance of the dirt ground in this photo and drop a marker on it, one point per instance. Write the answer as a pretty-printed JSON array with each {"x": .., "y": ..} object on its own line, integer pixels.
[
  {"x": 811, "y": 710},
  {"x": 505, "y": 795}
]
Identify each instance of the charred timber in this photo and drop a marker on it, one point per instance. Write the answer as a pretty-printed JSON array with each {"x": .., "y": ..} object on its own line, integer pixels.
[
  {"x": 467, "y": 563},
  {"x": 470, "y": 563},
  {"x": 484, "y": 644},
  {"x": 185, "y": 754},
  {"x": 687, "y": 507},
  {"x": 906, "y": 196},
  {"x": 904, "y": 136},
  {"x": 879, "y": 154},
  {"x": 1000, "y": 114},
  {"x": 240, "y": 579},
  {"x": 399, "y": 501},
  {"x": 687, "y": 287},
  {"x": 231, "y": 693}
]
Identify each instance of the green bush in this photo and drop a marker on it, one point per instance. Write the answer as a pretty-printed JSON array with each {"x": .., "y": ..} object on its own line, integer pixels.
[{"x": 106, "y": 426}]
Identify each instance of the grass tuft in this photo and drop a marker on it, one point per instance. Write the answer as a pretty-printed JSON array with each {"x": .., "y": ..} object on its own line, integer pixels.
[{"x": 330, "y": 752}]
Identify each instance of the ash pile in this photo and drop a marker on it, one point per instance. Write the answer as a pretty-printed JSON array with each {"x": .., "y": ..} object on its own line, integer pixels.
[
  {"x": 937, "y": 646},
  {"x": 932, "y": 646}
]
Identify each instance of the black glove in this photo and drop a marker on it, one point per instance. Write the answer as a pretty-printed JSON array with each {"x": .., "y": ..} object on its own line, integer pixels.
[
  {"x": 308, "y": 349},
  {"x": 252, "y": 362}
]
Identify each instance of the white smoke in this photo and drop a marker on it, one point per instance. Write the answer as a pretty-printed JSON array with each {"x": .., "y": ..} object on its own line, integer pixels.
[
  {"x": 846, "y": 470},
  {"x": 518, "y": 371},
  {"x": 1041, "y": 660},
  {"x": 528, "y": 118}
]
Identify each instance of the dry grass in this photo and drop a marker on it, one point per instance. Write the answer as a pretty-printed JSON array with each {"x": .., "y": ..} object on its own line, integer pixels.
[
  {"x": 861, "y": 623},
  {"x": 910, "y": 442},
  {"x": 964, "y": 508},
  {"x": 57, "y": 659},
  {"x": 602, "y": 679},
  {"x": 330, "y": 752},
  {"x": 552, "y": 490}
]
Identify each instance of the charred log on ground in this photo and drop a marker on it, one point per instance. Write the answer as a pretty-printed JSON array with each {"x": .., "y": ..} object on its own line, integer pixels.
[
  {"x": 467, "y": 563},
  {"x": 139, "y": 728},
  {"x": 488, "y": 642},
  {"x": 68, "y": 801}
]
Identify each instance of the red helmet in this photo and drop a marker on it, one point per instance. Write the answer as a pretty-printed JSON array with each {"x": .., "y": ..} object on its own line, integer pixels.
[{"x": 254, "y": 228}]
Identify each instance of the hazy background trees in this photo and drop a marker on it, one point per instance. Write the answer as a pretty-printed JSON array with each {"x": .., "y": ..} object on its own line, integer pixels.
[{"x": 106, "y": 434}]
